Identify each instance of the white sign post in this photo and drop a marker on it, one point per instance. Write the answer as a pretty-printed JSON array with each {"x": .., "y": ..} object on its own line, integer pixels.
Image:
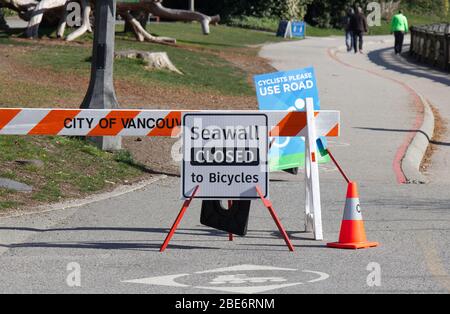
[{"x": 225, "y": 156}]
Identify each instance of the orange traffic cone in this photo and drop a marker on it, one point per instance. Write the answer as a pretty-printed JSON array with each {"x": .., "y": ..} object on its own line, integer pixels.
[{"x": 353, "y": 235}]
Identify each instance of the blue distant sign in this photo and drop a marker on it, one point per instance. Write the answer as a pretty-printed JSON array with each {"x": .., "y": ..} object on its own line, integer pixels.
[
  {"x": 289, "y": 29},
  {"x": 298, "y": 29}
]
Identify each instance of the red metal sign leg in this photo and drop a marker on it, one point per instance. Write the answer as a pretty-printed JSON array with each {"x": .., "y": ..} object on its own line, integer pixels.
[
  {"x": 230, "y": 235},
  {"x": 269, "y": 206},
  {"x": 177, "y": 221}
]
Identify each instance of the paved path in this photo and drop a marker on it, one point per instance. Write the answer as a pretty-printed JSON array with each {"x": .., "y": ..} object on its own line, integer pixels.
[
  {"x": 433, "y": 84},
  {"x": 117, "y": 239},
  {"x": 366, "y": 101}
]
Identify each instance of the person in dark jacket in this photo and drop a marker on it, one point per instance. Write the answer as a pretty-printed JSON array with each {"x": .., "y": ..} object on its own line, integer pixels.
[
  {"x": 346, "y": 19},
  {"x": 358, "y": 25}
]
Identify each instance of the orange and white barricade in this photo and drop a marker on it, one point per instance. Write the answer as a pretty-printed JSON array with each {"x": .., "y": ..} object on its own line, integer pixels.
[{"x": 165, "y": 123}]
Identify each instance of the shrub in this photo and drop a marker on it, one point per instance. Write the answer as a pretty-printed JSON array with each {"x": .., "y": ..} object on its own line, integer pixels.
[
  {"x": 281, "y": 9},
  {"x": 269, "y": 24}
]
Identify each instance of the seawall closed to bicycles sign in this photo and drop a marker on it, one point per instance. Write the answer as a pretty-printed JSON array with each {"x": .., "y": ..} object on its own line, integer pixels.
[{"x": 225, "y": 155}]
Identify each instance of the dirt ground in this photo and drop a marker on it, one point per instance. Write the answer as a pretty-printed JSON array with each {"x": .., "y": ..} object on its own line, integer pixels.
[{"x": 440, "y": 129}]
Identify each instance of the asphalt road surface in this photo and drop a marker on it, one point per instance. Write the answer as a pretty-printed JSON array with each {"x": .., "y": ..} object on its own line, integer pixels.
[{"x": 113, "y": 244}]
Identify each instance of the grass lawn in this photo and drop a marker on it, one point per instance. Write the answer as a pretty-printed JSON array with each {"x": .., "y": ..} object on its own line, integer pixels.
[
  {"x": 221, "y": 36},
  {"x": 71, "y": 167},
  {"x": 196, "y": 56},
  {"x": 202, "y": 70},
  {"x": 47, "y": 73}
]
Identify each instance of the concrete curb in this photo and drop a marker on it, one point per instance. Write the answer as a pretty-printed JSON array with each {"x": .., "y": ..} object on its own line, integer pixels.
[{"x": 418, "y": 147}]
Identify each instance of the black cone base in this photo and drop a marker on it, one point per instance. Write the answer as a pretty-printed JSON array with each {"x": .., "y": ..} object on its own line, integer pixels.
[
  {"x": 233, "y": 220},
  {"x": 293, "y": 171}
]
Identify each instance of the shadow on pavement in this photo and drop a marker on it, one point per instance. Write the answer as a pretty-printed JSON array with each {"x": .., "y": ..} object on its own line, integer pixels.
[
  {"x": 407, "y": 65},
  {"x": 405, "y": 131},
  {"x": 131, "y": 246},
  {"x": 191, "y": 232},
  {"x": 143, "y": 245}
]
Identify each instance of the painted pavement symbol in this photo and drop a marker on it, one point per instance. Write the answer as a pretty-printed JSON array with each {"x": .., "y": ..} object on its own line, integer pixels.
[{"x": 235, "y": 279}]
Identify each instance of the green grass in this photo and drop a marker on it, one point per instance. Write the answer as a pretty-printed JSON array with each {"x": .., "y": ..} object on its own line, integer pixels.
[
  {"x": 221, "y": 36},
  {"x": 9, "y": 204},
  {"x": 62, "y": 58},
  {"x": 4, "y": 192},
  {"x": 270, "y": 25},
  {"x": 8, "y": 174},
  {"x": 203, "y": 69},
  {"x": 4, "y": 38},
  {"x": 70, "y": 164},
  {"x": 322, "y": 32},
  {"x": 9, "y": 12},
  {"x": 4, "y": 202}
]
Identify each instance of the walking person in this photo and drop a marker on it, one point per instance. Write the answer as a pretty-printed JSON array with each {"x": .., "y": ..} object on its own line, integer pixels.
[
  {"x": 399, "y": 27},
  {"x": 358, "y": 25},
  {"x": 346, "y": 23}
]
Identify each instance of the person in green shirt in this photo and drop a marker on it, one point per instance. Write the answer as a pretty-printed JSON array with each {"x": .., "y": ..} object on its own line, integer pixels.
[{"x": 399, "y": 27}]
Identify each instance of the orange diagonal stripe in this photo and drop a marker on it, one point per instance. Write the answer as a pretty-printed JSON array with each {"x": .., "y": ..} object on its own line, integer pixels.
[
  {"x": 334, "y": 131},
  {"x": 53, "y": 122},
  {"x": 173, "y": 119},
  {"x": 291, "y": 125},
  {"x": 115, "y": 124},
  {"x": 6, "y": 115}
]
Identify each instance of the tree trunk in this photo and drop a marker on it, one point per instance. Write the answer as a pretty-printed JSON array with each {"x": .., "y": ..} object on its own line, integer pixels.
[
  {"x": 85, "y": 24},
  {"x": 141, "y": 16},
  {"x": 33, "y": 11},
  {"x": 38, "y": 13},
  {"x": 62, "y": 23},
  {"x": 142, "y": 34},
  {"x": 156, "y": 8},
  {"x": 152, "y": 60}
]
